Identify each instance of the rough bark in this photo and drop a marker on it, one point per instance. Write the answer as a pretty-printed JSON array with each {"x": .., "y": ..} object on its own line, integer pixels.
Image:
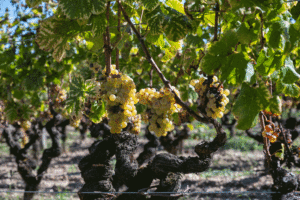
[
  {"x": 149, "y": 148},
  {"x": 173, "y": 143},
  {"x": 26, "y": 164}
]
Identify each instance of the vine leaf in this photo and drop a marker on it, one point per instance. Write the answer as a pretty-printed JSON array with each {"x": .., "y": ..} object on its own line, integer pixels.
[
  {"x": 176, "y": 5},
  {"x": 266, "y": 65},
  {"x": 274, "y": 34},
  {"x": 291, "y": 90},
  {"x": 289, "y": 73},
  {"x": 97, "y": 111},
  {"x": 218, "y": 52},
  {"x": 174, "y": 24},
  {"x": 34, "y": 3},
  {"x": 98, "y": 24},
  {"x": 54, "y": 34},
  {"x": 249, "y": 103},
  {"x": 246, "y": 34},
  {"x": 275, "y": 105},
  {"x": 82, "y": 9},
  {"x": 150, "y": 4},
  {"x": 235, "y": 69}
]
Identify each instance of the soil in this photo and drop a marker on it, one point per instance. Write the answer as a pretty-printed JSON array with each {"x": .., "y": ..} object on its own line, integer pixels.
[{"x": 231, "y": 170}]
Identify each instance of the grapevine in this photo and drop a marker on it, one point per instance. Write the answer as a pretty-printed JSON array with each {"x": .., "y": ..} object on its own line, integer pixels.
[
  {"x": 119, "y": 93},
  {"x": 161, "y": 105},
  {"x": 212, "y": 96}
]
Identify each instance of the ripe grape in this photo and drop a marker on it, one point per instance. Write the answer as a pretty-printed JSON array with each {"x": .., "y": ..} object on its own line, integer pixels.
[
  {"x": 119, "y": 93},
  {"x": 25, "y": 125},
  {"x": 212, "y": 96},
  {"x": 161, "y": 105},
  {"x": 136, "y": 124}
]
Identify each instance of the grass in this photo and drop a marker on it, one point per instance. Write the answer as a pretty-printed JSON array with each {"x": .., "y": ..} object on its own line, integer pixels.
[
  {"x": 242, "y": 143},
  {"x": 72, "y": 169},
  {"x": 4, "y": 149}
]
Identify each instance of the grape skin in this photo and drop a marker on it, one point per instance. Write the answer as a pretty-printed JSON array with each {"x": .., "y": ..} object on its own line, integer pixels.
[
  {"x": 161, "y": 105},
  {"x": 119, "y": 93},
  {"x": 210, "y": 93}
]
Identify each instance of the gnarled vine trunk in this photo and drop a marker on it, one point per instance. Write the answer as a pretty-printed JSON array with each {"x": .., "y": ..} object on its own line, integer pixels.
[{"x": 97, "y": 172}]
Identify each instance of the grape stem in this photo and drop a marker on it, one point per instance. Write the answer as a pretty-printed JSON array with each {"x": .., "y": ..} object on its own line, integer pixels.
[
  {"x": 262, "y": 118},
  {"x": 162, "y": 77}
]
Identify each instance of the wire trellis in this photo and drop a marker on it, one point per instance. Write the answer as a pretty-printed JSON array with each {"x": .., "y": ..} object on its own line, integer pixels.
[{"x": 141, "y": 192}]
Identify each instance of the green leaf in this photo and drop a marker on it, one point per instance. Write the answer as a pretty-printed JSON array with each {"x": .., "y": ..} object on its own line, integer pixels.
[
  {"x": 275, "y": 34},
  {"x": 150, "y": 4},
  {"x": 177, "y": 26},
  {"x": 275, "y": 105},
  {"x": 98, "y": 24},
  {"x": 155, "y": 20},
  {"x": 246, "y": 34},
  {"x": 280, "y": 153},
  {"x": 194, "y": 40},
  {"x": 235, "y": 68},
  {"x": 34, "y": 3},
  {"x": 291, "y": 90},
  {"x": 267, "y": 65},
  {"x": 211, "y": 62},
  {"x": 82, "y": 9},
  {"x": 18, "y": 94},
  {"x": 295, "y": 11},
  {"x": 176, "y": 5},
  {"x": 54, "y": 34},
  {"x": 225, "y": 45},
  {"x": 97, "y": 111},
  {"x": 248, "y": 104},
  {"x": 289, "y": 73}
]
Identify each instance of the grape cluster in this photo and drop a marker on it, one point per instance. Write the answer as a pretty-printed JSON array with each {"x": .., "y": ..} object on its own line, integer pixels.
[
  {"x": 62, "y": 96},
  {"x": 136, "y": 124},
  {"x": 95, "y": 67},
  {"x": 272, "y": 133},
  {"x": 119, "y": 93},
  {"x": 161, "y": 105},
  {"x": 2, "y": 116},
  {"x": 212, "y": 96},
  {"x": 26, "y": 125},
  {"x": 75, "y": 119},
  {"x": 25, "y": 140}
]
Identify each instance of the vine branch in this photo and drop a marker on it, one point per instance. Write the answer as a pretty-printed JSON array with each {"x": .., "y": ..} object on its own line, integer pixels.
[
  {"x": 216, "y": 22},
  {"x": 154, "y": 66},
  {"x": 119, "y": 36},
  {"x": 106, "y": 38}
]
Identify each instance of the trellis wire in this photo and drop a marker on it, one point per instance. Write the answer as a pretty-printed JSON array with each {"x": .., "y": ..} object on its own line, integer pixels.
[{"x": 97, "y": 192}]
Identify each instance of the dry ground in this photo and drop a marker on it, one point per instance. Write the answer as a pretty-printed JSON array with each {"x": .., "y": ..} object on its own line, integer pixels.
[{"x": 231, "y": 170}]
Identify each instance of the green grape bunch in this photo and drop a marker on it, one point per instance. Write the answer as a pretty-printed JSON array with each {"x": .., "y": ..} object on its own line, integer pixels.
[
  {"x": 212, "y": 97},
  {"x": 25, "y": 125},
  {"x": 161, "y": 105},
  {"x": 135, "y": 126},
  {"x": 119, "y": 93}
]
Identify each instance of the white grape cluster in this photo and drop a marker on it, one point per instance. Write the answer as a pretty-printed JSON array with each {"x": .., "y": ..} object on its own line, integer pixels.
[
  {"x": 136, "y": 124},
  {"x": 2, "y": 116},
  {"x": 212, "y": 96},
  {"x": 161, "y": 105},
  {"x": 95, "y": 67},
  {"x": 119, "y": 93},
  {"x": 62, "y": 96},
  {"x": 26, "y": 125},
  {"x": 75, "y": 118}
]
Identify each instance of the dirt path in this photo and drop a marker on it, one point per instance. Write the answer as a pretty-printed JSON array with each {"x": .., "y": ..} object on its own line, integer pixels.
[{"x": 231, "y": 170}]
